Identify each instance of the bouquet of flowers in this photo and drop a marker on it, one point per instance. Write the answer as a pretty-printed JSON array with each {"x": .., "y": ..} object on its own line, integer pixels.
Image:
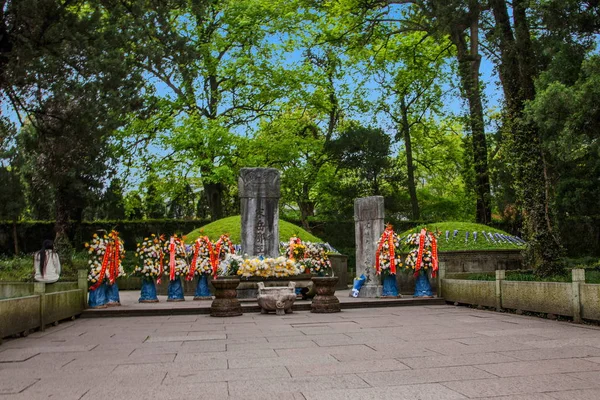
[
  {"x": 387, "y": 256},
  {"x": 176, "y": 251},
  {"x": 223, "y": 247},
  {"x": 295, "y": 249},
  {"x": 150, "y": 256},
  {"x": 423, "y": 251},
  {"x": 202, "y": 259},
  {"x": 316, "y": 260},
  {"x": 231, "y": 265},
  {"x": 268, "y": 267},
  {"x": 106, "y": 253}
]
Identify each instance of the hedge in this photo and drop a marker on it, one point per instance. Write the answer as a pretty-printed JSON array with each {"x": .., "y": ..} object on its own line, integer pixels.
[{"x": 31, "y": 234}]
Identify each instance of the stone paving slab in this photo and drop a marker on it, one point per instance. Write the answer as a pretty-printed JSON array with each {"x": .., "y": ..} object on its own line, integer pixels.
[
  {"x": 415, "y": 392},
  {"x": 423, "y": 352}
]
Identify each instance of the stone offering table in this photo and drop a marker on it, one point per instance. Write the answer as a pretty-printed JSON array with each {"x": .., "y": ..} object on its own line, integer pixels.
[{"x": 279, "y": 298}]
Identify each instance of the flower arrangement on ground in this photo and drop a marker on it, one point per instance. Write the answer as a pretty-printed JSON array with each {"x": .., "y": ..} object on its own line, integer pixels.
[
  {"x": 202, "y": 258},
  {"x": 387, "y": 260},
  {"x": 177, "y": 264},
  {"x": 279, "y": 267},
  {"x": 150, "y": 265},
  {"x": 223, "y": 247},
  {"x": 387, "y": 256},
  {"x": 176, "y": 267},
  {"x": 423, "y": 251},
  {"x": 150, "y": 257},
  {"x": 316, "y": 260},
  {"x": 422, "y": 258},
  {"x": 106, "y": 253}
]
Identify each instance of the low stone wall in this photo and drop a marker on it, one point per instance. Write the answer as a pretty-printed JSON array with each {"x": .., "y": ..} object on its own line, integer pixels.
[
  {"x": 543, "y": 297},
  {"x": 339, "y": 264},
  {"x": 575, "y": 299},
  {"x": 473, "y": 261},
  {"x": 19, "y": 314},
  {"x": 47, "y": 304},
  {"x": 21, "y": 289},
  {"x": 589, "y": 296},
  {"x": 470, "y": 292},
  {"x": 470, "y": 261}
]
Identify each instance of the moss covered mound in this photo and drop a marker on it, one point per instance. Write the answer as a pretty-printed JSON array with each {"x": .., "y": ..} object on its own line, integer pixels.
[
  {"x": 232, "y": 227},
  {"x": 458, "y": 242}
]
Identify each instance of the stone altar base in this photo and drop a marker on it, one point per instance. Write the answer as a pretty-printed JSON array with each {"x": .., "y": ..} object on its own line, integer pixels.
[{"x": 369, "y": 290}]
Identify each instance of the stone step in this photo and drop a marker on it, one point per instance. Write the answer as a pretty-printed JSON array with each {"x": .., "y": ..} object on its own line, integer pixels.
[{"x": 203, "y": 307}]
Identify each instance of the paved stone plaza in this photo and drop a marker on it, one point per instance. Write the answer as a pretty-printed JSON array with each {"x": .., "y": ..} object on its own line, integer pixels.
[{"x": 423, "y": 352}]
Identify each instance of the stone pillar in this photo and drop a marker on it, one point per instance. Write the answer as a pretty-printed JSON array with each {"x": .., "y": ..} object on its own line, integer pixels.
[
  {"x": 369, "y": 225},
  {"x": 259, "y": 190},
  {"x": 82, "y": 284},
  {"x": 440, "y": 277},
  {"x": 577, "y": 277},
  {"x": 500, "y": 276}
]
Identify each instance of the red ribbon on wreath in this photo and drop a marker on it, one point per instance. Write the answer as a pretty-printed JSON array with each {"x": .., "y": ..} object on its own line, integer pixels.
[
  {"x": 114, "y": 261},
  {"x": 434, "y": 255},
  {"x": 420, "y": 253},
  {"x": 387, "y": 236},
  {"x": 194, "y": 261},
  {"x": 172, "y": 259},
  {"x": 105, "y": 262},
  {"x": 162, "y": 267}
]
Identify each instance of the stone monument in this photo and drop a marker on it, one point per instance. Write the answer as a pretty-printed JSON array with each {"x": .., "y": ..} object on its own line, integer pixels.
[
  {"x": 259, "y": 191},
  {"x": 369, "y": 225}
]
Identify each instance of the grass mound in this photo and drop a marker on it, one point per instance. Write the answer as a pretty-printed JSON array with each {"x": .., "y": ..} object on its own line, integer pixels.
[
  {"x": 232, "y": 226},
  {"x": 458, "y": 242}
]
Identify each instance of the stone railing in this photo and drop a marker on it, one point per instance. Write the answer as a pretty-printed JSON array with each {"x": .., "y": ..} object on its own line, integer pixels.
[
  {"x": 25, "y": 307},
  {"x": 575, "y": 299},
  {"x": 468, "y": 261}
]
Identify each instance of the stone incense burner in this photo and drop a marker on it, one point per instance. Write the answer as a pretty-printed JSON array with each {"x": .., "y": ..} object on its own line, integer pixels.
[{"x": 279, "y": 298}]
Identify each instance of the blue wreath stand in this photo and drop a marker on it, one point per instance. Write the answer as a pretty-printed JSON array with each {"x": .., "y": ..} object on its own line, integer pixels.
[
  {"x": 175, "y": 290},
  {"x": 390, "y": 287},
  {"x": 422, "y": 285},
  {"x": 148, "y": 291},
  {"x": 202, "y": 289},
  {"x": 98, "y": 298},
  {"x": 112, "y": 295}
]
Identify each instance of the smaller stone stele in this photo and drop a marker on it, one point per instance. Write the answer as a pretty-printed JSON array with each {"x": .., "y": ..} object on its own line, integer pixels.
[{"x": 279, "y": 298}]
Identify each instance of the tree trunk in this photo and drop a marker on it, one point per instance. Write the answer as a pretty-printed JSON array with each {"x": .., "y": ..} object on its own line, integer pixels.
[
  {"x": 307, "y": 209},
  {"x": 469, "y": 61},
  {"x": 517, "y": 70},
  {"x": 214, "y": 197},
  {"x": 15, "y": 236},
  {"x": 412, "y": 187}
]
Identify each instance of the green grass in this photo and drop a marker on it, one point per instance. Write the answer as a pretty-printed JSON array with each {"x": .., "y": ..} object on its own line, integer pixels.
[
  {"x": 458, "y": 242},
  {"x": 232, "y": 227}
]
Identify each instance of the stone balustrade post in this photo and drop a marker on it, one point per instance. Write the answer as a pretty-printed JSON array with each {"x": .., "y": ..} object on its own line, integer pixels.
[
  {"x": 82, "y": 283},
  {"x": 39, "y": 288},
  {"x": 500, "y": 276},
  {"x": 441, "y": 276},
  {"x": 578, "y": 277}
]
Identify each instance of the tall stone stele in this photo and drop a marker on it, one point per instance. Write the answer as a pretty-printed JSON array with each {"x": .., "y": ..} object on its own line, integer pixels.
[
  {"x": 369, "y": 225},
  {"x": 259, "y": 191}
]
